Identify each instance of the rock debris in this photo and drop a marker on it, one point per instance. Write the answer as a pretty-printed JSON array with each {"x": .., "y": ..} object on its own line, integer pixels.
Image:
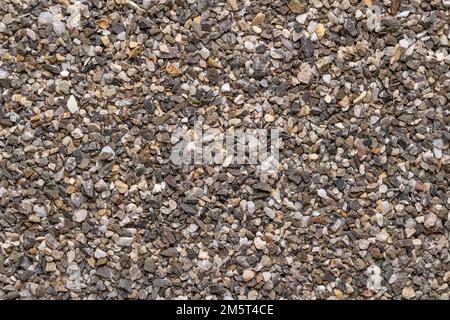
[{"x": 92, "y": 91}]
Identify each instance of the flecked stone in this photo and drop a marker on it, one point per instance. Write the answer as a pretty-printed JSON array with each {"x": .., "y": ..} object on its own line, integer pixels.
[
  {"x": 125, "y": 241},
  {"x": 80, "y": 215}
]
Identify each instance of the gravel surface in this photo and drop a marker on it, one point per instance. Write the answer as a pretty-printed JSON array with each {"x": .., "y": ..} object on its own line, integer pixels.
[{"x": 91, "y": 207}]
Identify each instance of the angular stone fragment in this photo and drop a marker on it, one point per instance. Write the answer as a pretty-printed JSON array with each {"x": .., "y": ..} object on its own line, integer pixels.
[
  {"x": 80, "y": 215},
  {"x": 72, "y": 105}
]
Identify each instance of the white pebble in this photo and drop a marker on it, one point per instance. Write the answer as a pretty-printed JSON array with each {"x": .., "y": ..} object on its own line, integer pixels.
[
  {"x": 322, "y": 193},
  {"x": 225, "y": 87},
  {"x": 80, "y": 215},
  {"x": 72, "y": 104},
  {"x": 251, "y": 207},
  {"x": 404, "y": 43},
  {"x": 363, "y": 244},
  {"x": 125, "y": 241},
  {"x": 259, "y": 243},
  {"x": 204, "y": 53},
  {"x": 3, "y": 74},
  {"x": 269, "y": 212},
  {"x": 100, "y": 254}
]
